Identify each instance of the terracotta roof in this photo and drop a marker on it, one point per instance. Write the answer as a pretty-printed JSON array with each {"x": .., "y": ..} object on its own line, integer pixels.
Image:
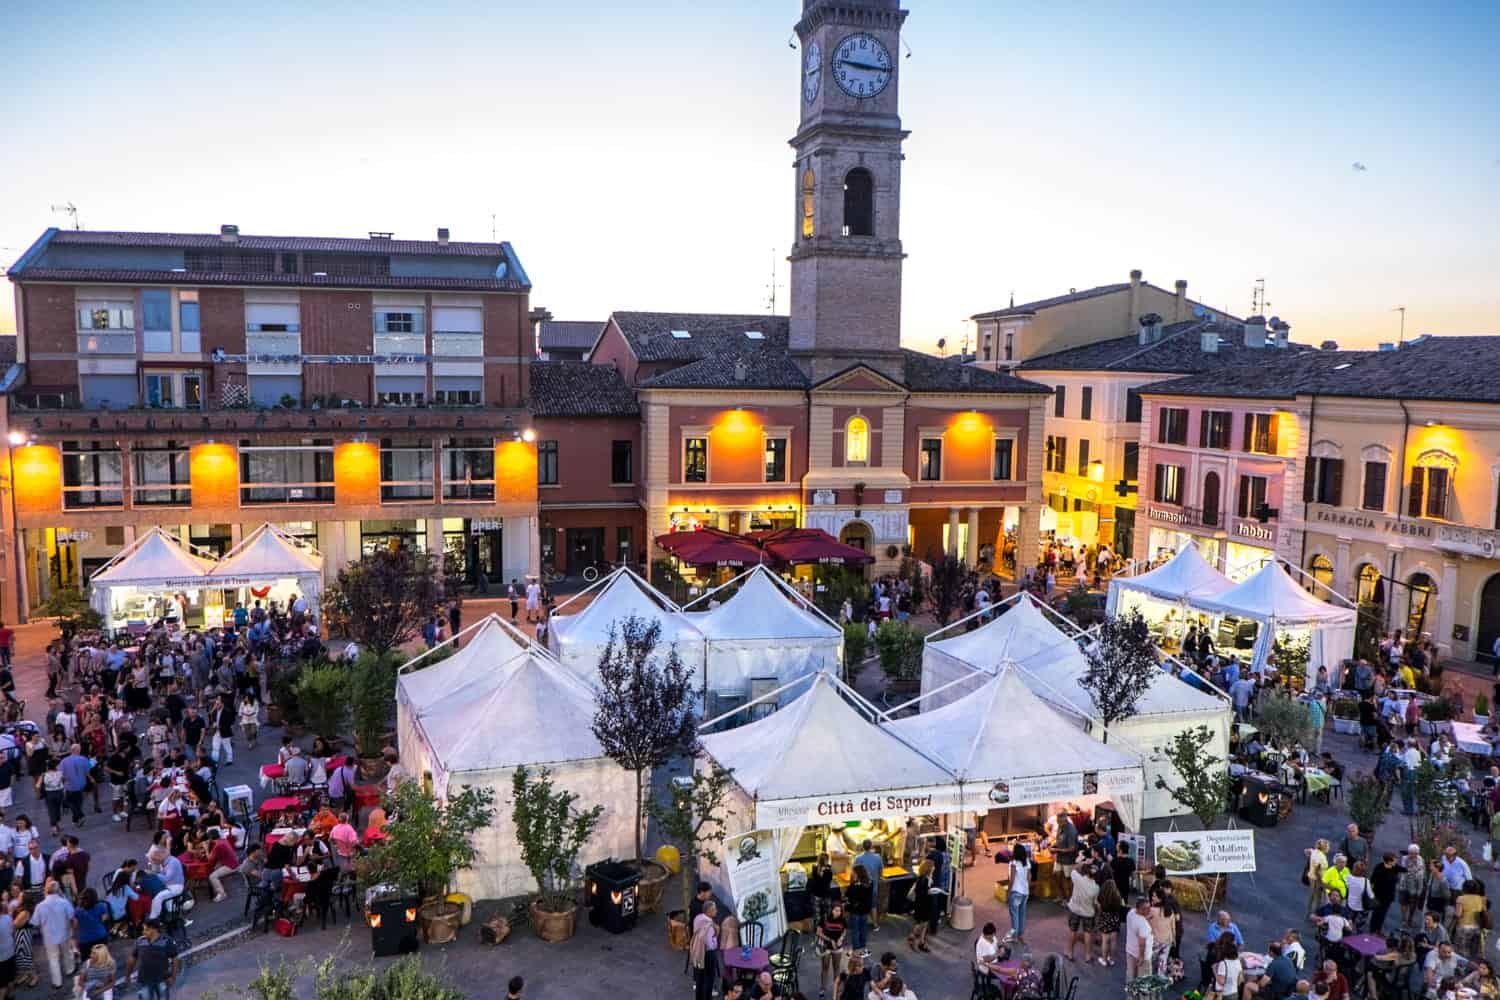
[
  {"x": 925, "y": 373},
  {"x": 568, "y": 335},
  {"x": 579, "y": 389},
  {"x": 291, "y": 244},
  {"x": 650, "y": 337},
  {"x": 1179, "y": 351},
  {"x": 140, "y": 277},
  {"x": 746, "y": 370}
]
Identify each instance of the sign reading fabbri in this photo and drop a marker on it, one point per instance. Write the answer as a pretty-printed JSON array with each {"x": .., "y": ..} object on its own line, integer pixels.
[
  {"x": 1259, "y": 532},
  {"x": 1206, "y": 852},
  {"x": 1371, "y": 523}
]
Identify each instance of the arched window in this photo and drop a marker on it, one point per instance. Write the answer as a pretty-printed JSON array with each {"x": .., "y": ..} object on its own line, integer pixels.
[
  {"x": 809, "y": 192},
  {"x": 1210, "y": 500},
  {"x": 857, "y": 441},
  {"x": 1371, "y": 588},
  {"x": 1420, "y": 591},
  {"x": 1321, "y": 570},
  {"x": 859, "y": 203}
]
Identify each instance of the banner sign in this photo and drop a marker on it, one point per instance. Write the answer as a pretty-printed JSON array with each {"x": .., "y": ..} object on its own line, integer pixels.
[
  {"x": 1206, "y": 852},
  {"x": 1038, "y": 790},
  {"x": 1128, "y": 781},
  {"x": 220, "y": 357},
  {"x": 750, "y": 861},
  {"x": 813, "y": 810}
]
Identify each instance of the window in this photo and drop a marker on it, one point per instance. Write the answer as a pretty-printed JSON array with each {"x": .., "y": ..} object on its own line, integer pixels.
[
  {"x": 400, "y": 390},
  {"x": 1428, "y": 493},
  {"x": 457, "y": 390},
  {"x": 1325, "y": 481},
  {"x": 775, "y": 460},
  {"x": 1060, "y": 401},
  {"x": 1005, "y": 457},
  {"x": 156, "y": 316},
  {"x": 1059, "y": 454},
  {"x": 932, "y": 459},
  {"x": 1171, "y": 427},
  {"x": 188, "y": 323},
  {"x": 192, "y": 391},
  {"x": 395, "y": 322},
  {"x": 405, "y": 470},
  {"x": 1321, "y": 571},
  {"x": 1083, "y": 456},
  {"x": 546, "y": 463},
  {"x": 695, "y": 463},
  {"x": 174, "y": 389},
  {"x": 1168, "y": 486},
  {"x": 298, "y": 473},
  {"x": 160, "y": 475},
  {"x": 1252, "y": 495},
  {"x": 106, "y": 316},
  {"x": 987, "y": 346},
  {"x": 1214, "y": 429},
  {"x": 1132, "y": 463},
  {"x": 1374, "y": 492},
  {"x": 1086, "y": 404},
  {"x": 159, "y": 390},
  {"x": 1010, "y": 345},
  {"x": 1132, "y": 406},
  {"x": 91, "y": 475},
  {"x": 1210, "y": 499},
  {"x": 1370, "y": 587},
  {"x": 859, "y": 203},
  {"x": 622, "y": 462},
  {"x": 857, "y": 441},
  {"x": 809, "y": 202},
  {"x": 1260, "y": 433},
  {"x": 469, "y": 469}
]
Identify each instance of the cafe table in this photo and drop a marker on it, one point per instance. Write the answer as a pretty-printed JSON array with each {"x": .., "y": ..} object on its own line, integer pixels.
[
  {"x": 270, "y": 773},
  {"x": 736, "y": 962},
  {"x": 1366, "y": 946}
]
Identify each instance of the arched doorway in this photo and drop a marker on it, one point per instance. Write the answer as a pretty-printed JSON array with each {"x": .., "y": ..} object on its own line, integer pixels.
[
  {"x": 857, "y": 534},
  {"x": 1489, "y": 619},
  {"x": 1371, "y": 586},
  {"x": 1420, "y": 591},
  {"x": 1321, "y": 571}
]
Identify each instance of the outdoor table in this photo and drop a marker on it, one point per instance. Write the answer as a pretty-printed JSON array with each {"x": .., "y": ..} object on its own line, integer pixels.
[
  {"x": 282, "y": 831},
  {"x": 293, "y": 883},
  {"x": 1366, "y": 946},
  {"x": 270, "y": 773},
  {"x": 1467, "y": 736},
  {"x": 1318, "y": 780},
  {"x": 280, "y": 804},
  {"x": 1005, "y": 974},
  {"x": 735, "y": 962},
  {"x": 196, "y": 873}
]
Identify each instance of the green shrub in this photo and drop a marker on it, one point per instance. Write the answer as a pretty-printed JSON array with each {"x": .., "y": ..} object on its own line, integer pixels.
[
  {"x": 900, "y": 649},
  {"x": 323, "y": 695},
  {"x": 372, "y": 692},
  {"x": 856, "y": 645},
  {"x": 283, "y": 685}
]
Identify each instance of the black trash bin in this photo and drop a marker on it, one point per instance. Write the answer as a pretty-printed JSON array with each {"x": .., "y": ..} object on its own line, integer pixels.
[
  {"x": 393, "y": 926},
  {"x": 611, "y": 895},
  {"x": 1260, "y": 802}
]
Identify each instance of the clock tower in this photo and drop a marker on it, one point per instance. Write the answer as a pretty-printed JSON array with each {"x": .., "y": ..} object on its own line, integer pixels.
[{"x": 846, "y": 255}]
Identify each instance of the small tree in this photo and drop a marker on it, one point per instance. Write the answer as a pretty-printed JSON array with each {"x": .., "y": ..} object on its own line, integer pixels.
[
  {"x": 644, "y": 715},
  {"x": 1202, "y": 786},
  {"x": 1285, "y": 720},
  {"x": 910, "y": 570},
  {"x": 1369, "y": 800},
  {"x": 1369, "y": 629},
  {"x": 695, "y": 820},
  {"x": 1121, "y": 666},
  {"x": 322, "y": 692},
  {"x": 405, "y": 979},
  {"x": 856, "y": 646},
  {"x": 386, "y": 597},
  {"x": 432, "y": 839},
  {"x": 72, "y": 610},
  {"x": 372, "y": 688},
  {"x": 900, "y": 649},
  {"x": 1291, "y": 653},
  {"x": 952, "y": 583},
  {"x": 550, "y": 833}
]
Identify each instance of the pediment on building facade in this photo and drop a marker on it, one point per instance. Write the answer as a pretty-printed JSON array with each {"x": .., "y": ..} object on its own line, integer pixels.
[{"x": 859, "y": 378}]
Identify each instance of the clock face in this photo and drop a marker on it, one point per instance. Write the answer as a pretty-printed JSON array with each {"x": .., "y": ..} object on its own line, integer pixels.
[
  {"x": 861, "y": 65},
  {"x": 812, "y": 71}
]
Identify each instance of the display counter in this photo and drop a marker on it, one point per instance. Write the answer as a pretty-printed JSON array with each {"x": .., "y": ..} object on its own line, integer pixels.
[{"x": 890, "y": 895}]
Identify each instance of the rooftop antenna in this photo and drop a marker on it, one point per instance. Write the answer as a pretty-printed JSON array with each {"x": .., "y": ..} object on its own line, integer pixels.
[
  {"x": 942, "y": 347},
  {"x": 71, "y": 211},
  {"x": 771, "y": 303},
  {"x": 493, "y": 237},
  {"x": 1259, "y": 305},
  {"x": 1402, "y": 338},
  {"x": 1012, "y": 298}
]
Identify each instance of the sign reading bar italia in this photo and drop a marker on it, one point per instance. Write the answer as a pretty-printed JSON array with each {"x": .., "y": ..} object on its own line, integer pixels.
[{"x": 1206, "y": 852}]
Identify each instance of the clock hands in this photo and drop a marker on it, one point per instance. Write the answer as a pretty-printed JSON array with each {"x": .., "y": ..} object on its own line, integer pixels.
[{"x": 860, "y": 65}]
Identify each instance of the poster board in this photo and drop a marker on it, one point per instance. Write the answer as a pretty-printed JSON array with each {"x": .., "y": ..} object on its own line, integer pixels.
[
  {"x": 750, "y": 861},
  {"x": 1206, "y": 852}
]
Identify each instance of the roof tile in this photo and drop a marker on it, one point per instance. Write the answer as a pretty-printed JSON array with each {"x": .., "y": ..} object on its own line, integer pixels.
[{"x": 580, "y": 389}]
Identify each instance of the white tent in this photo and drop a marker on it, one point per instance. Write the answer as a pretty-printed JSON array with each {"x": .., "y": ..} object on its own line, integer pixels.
[
  {"x": 579, "y": 639},
  {"x": 155, "y": 563},
  {"x": 1279, "y": 603},
  {"x": 271, "y": 558},
  {"x": 1187, "y": 576},
  {"x": 1052, "y": 664},
  {"x": 1010, "y": 748},
  {"x": 529, "y": 711},
  {"x": 765, "y": 631},
  {"x": 485, "y": 645}
]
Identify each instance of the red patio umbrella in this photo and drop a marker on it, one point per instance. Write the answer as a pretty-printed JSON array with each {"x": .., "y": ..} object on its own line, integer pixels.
[
  {"x": 797, "y": 546},
  {"x": 711, "y": 547}
]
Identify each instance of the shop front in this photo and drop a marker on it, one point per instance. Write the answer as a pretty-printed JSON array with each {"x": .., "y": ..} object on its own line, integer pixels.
[
  {"x": 375, "y": 536},
  {"x": 473, "y": 549}
]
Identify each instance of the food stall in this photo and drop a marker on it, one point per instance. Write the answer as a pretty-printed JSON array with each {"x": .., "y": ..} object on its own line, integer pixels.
[
  {"x": 269, "y": 565},
  {"x": 153, "y": 578}
]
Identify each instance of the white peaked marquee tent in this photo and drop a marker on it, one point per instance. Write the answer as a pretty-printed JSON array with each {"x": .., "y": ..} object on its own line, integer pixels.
[
  {"x": 154, "y": 563},
  {"x": 1051, "y": 664},
  {"x": 482, "y": 718},
  {"x": 766, "y": 630},
  {"x": 485, "y": 644},
  {"x": 579, "y": 639},
  {"x": 1271, "y": 597},
  {"x": 1185, "y": 578},
  {"x": 271, "y": 558},
  {"x": 1010, "y": 748}
]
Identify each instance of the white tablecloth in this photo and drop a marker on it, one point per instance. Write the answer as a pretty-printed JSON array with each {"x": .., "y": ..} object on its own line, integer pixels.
[{"x": 1466, "y": 735}]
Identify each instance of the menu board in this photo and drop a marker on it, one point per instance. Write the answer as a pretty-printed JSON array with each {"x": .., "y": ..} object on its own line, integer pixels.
[{"x": 750, "y": 861}]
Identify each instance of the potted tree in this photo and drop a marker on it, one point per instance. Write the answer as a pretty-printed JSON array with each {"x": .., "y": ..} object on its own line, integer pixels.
[
  {"x": 1369, "y": 801},
  {"x": 372, "y": 685},
  {"x": 1201, "y": 787},
  {"x": 1346, "y": 716},
  {"x": 899, "y": 647},
  {"x": 1291, "y": 653},
  {"x": 323, "y": 694},
  {"x": 550, "y": 832},
  {"x": 643, "y": 718},
  {"x": 695, "y": 820},
  {"x": 426, "y": 845}
]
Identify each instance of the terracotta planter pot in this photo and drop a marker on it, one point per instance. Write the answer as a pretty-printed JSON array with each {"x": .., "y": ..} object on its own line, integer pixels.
[
  {"x": 439, "y": 921},
  {"x": 553, "y": 927},
  {"x": 679, "y": 935},
  {"x": 653, "y": 882}
]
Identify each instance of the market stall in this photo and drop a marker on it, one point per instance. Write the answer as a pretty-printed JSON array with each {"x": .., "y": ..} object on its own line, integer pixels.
[
  {"x": 524, "y": 711},
  {"x": 1280, "y": 605},
  {"x": 761, "y": 634},
  {"x": 578, "y": 639},
  {"x": 154, "y": 577},
  {"x": 1185, "y": 577},
  {"x": 481, "y": 648},
  {"x": 270, "y": 565}
]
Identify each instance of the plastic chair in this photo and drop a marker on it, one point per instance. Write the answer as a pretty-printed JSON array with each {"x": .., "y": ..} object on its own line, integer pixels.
[
  {"x": 984, "y": 986},
  {"x": 173, "y": 919}
]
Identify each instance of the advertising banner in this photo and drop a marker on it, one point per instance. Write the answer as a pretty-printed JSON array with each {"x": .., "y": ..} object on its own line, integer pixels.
[
  {"x": 1206, "y": 852},
  {"x": 750, "y": 861}
]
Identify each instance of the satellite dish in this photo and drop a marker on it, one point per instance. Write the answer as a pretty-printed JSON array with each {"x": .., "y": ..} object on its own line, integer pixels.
[{"x": 1198, "y": 311}]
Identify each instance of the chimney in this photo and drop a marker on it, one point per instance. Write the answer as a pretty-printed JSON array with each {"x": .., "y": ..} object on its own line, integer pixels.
[
  {"x": 741, "y": 370},
  {"x": 1135, "y": 300},
  {"x": 1209, "y": 341},
  {"x": 1180, "y": 310},
  {"x": 1281, "y": 330},
  {"x": 1329, "y": 345},
  {"x": 1255, "y": 332},
  {"x": 229, "y": 234},
  {"x": 442, "y": 236},
  {"x": 1150, "y": 325}
]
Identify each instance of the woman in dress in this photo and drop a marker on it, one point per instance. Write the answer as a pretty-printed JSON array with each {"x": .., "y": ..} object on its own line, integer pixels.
[
  {"x": 922, "y": 904},
  {"x": 21, "y": 930},
  {"x": 1111, "y": 915},
  {"x": 829, "y": 944}
]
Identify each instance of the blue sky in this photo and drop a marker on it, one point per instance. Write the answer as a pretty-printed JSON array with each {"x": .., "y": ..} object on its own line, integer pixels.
[{"x": 636, "y": 154}]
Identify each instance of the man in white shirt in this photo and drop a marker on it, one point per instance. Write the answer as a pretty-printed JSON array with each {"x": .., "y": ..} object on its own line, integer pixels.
[
  {"x": 54, "y": 916},
  {"x": 1138, "y": 940}
]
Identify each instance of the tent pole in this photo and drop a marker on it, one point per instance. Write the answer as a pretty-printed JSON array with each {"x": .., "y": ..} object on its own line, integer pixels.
[
  {"x": 599, "y": 582},
  {"x": 727, "y": 583}
]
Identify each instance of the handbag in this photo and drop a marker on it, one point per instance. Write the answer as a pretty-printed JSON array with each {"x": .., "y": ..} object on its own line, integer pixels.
[{"x": 285, "y": 927}]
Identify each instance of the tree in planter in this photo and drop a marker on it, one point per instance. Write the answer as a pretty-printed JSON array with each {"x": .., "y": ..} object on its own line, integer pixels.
[
  {"x": 432, "y": 840},
  {"x": 1121, "y": 667},
  {"x": 643, "y": 715},
  {"x": 1291, "y": 653},
  {"x": 856, "y": 646},
  {"x": 839, "y": 583},
  {"x": 1202, "y": 786},
  {"x": 372, "y": 688},
  {"x": 951, "y": 585},
  {"x": 1284, "y": 720},
  {"x": 899, "y": 646},
  {"x": 911, "y": 571},
  {"x": 72, "y": 610},
  {"x": 695, "y": 820},
  {"x": 1369, "y": 800},
  {"x": 402, "y": 980},
  {"x": 550, "y": 833},
  {"x": 323, "y": 697},
  {"x": 386, "y": 597},
  {"x": 1369, "y": 629}
]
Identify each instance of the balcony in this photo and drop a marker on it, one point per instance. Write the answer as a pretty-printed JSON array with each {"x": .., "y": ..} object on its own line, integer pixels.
[
  {"x": 458, "y": 345},
  {"x": 389, "y": 344},
  {"x": 281, "y": 345},
  {"x": 106, "y": 342}
]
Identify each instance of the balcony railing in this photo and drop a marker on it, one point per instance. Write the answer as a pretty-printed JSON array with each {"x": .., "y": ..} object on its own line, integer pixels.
[
  {"x": 104, "y": 342},
  {"x": 281, "y": 344},
  {"x": 400, "y": 343},
  {"x": 458, "y": 345}
]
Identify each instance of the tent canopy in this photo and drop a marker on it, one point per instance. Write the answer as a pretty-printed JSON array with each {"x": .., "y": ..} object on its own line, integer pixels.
[
  {"x": 1271, "y": 593},
  {"x": 1186, "y": 576},
  {"x": 267, "y": 554},
  {"x": 156, "y": 559},
  {"x": 763, "y": 609},
  {"x": 1003, "y": 730},
  {"x": 489, "y": 643},
  {"x": 579, "y": 639}
]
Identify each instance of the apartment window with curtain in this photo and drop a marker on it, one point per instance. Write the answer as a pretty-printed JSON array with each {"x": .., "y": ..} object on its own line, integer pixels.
[
  {"x": 622, "y": 462},
  {"x": 294, "y": 473},
  {"x": 1252, "y": 495},
  {"x": 695, "y": 460},
  {"x": 189, "y": 330},
  {"x": 931, "y": 468},
  {"x": 1060, "y": 402},
  {"x": 1374, "y": 491},
  {"x": 546, "y": 463},
  {"x": 1167, "y": 487},
  {"x": 1083, "y": 456},
  {"x": 1209, "y": 503},
  {"x": 92, "y": 475},
  {"x": 1260, "y": 433},
  {"x": 1171, "y": 425},
  {"x": 1214, "y": 429},
  {"x": 405, "y": 470},
  {"x": 776, "y": 460},
  {"x": 1132, "y": 406},
  {"x": 156, "y": 321},
  {"x": 1325, "y": 482},
  {"x": 1005, "y": 455},
  {"x": 160, "y": 475},
  {"x": 1086, "y": 403},
  {"x": 469, "y": 469},
  {"x": 1428, "y": 492}
]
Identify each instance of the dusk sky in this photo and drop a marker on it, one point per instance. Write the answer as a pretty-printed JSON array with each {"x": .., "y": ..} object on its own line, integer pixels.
[{"x": 635, "y": 153}]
